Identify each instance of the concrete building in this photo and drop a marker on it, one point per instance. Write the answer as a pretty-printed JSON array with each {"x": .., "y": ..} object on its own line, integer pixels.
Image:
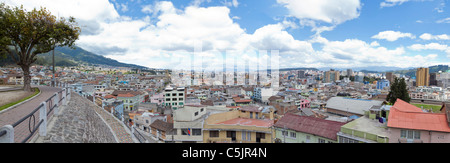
[
  {"x": 363, "y": 130},
  {"x": 331, "y": 76},
  {"x": 409, "y": 124},
  {"x": 381, "y": 84},
  {"x": 251, "y": 124},
  {"x": 422, "y": 77},
  {"x": 174, "y": 97},
  {"x": 390, "y": 76},
  {"x": 293, "y": 128},
  {"x": 188, "y": 124}
]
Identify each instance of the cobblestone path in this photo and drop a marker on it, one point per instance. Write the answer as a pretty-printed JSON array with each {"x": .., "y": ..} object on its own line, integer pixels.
[{"x": 83, "y": 122}]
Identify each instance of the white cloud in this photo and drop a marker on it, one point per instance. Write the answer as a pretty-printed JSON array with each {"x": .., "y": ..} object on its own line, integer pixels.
[
  {"x": 231, "y": 3},
  {"x": 430, "y": 46},
  {"x": 374, "y": 44},
  {"x": 169, "y": 33},
  {"x": 333, "y": 12},
  {"x": 427, "y": 36},
  {"x": 445, "y": 20},
  {"x": 390, "y": 3},
  {"x": 392, "y": 35},
  {"x": 89, "y": 14}
]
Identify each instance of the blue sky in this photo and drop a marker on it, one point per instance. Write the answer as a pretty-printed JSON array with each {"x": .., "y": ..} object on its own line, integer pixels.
[{"x": 307, "y": 33}]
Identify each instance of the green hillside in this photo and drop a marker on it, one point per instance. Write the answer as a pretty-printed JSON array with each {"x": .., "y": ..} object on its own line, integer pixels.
[
  {"x": 65, "y": 56},
  {"x": 433, "y": 69}
]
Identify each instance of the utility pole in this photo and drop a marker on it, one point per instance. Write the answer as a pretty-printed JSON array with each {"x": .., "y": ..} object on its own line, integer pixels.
[{"x": 53, "y": 67}]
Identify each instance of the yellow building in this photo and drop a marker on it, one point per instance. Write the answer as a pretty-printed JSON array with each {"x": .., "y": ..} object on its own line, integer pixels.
[
  {"x": 422, "y": 77},
  {"x": 247, "y": 125}
]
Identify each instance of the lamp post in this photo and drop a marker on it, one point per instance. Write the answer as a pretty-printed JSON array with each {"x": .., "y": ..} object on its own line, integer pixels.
[{"x": 53, "y": 67}]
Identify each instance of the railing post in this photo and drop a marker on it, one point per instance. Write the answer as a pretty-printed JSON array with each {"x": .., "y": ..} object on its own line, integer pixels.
[
  {"x": 56, "y": 102},
  {"x": 69, "y": 92},
  {"x": 7, "y": 134},
  {"x": 64, "y": 94},
  {"x": 43, "y": 116}
]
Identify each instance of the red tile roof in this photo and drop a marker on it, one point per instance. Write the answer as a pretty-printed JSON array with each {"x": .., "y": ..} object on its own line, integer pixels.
[
  {"x": 251, "y": 108},
  {"x": 248, "y": 122},
  {"x": 239, "y": 101},
  {"x": 311, "y": 125},
  {"x": 405, "y": 115},
  {"x": 125, "y": 95},
  {"x": 109, "y": 96}
]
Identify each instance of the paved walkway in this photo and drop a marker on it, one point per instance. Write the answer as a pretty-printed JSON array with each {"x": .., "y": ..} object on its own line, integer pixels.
[
  {"x": 83, "y": 122},
  {"x": 11, "y": 116}
]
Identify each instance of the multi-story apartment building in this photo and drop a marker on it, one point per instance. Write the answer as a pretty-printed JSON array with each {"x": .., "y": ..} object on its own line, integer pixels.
[
  {"x": 250, "y": 124},
  {"x": 331, "y": 76},
  {"x": 174, "y": 97},
  {"x": 422, "y": 77}
]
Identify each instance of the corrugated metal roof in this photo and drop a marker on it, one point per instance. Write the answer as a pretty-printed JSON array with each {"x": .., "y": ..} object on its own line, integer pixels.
[
  {"x": 351, "y": 105},
  {"x": 311, "y": 125}
]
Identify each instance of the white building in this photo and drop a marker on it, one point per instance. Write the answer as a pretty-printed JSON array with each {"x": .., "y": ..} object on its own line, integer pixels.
[
  {"x": 188, "y": 123},
  {"x": 174, "y": 97}
]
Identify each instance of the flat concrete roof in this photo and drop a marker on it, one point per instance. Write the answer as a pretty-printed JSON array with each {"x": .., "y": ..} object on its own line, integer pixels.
[{"x": 367, "y": 125}]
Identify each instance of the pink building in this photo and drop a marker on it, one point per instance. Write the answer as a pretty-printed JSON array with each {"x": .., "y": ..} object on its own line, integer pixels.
[
  {"x": 409, "y": 124},
  {"x": 157, "y": 99},
  {"x": 303, "y": 103}
]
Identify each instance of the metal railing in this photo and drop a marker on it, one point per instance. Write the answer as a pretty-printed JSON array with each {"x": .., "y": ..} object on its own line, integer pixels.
[{"x": 46, "y": 110}]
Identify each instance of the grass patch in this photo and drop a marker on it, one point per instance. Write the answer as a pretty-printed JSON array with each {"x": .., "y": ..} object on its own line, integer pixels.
[
  {"x": 36, "y": 91},
  {"x": 435, "y": 108}
]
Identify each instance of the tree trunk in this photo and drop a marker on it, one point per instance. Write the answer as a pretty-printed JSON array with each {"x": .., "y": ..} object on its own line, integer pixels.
[{"x": 26, "y": 78}]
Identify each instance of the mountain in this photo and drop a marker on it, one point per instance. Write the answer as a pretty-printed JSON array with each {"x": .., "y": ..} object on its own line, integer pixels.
[
  {"x": 432, "y": 69},
  {"x": 370, "y": 69},
  {"x": 303, "y": 68},
  {"x": 65, "y": 56}
]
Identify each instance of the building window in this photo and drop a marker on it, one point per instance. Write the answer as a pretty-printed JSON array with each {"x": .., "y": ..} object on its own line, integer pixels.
[
  {"x": 196, "y": 132},
  {"x": 410, "y": 134},
  {"x": 321, "y": 140},
  {"x": 184, "y": 131},
  {"x": 201, "y": 110},
  {"x": 214, "y": 134},
  {"x": 347, "y": 140},
  {"x": 293, "y": 135},
  {"x": 284, "y": 133},
  {"x": 246, "y": 135},
  {"x": 196, "y": 113}
]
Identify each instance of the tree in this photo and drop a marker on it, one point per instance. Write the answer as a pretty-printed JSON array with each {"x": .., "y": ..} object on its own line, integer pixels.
[
  {"x": 398, "y": 90},
  {"x": 23, "y": 35}
]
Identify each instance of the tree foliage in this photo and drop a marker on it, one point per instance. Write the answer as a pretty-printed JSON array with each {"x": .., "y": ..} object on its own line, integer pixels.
[
  {"x": 398, "y": 90},
  {"x": 29, "y": 33}
]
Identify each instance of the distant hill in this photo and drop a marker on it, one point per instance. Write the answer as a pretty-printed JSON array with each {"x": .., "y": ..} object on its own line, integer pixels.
[
  {"x": 290, "y": 69},
  {"x": 65, "y": 56},
  {"x": 412, "y": 72}
]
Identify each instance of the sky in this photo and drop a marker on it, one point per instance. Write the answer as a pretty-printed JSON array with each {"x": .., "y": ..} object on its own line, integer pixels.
[{"x": 303, "y": 33}]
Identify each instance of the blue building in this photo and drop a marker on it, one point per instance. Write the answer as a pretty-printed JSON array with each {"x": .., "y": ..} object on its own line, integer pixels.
[{"x": 382, "y": 84}]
